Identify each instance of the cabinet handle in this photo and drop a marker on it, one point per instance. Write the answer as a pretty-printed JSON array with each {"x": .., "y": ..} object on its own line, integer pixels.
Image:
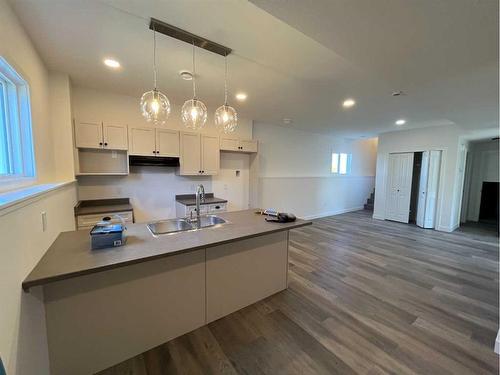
[
  {"x": 105, "y": 143},
  {"x": 100, "y": 143}
]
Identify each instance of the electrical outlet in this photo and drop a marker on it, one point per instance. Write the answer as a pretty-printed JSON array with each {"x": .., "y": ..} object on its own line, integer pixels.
[{"x": 44, "y": 221}]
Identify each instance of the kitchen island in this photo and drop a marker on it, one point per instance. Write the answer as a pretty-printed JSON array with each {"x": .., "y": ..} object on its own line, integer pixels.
[{"x": 104, "y": 306}]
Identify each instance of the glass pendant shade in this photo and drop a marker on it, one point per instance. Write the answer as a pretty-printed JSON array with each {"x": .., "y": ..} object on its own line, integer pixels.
[
  {"x": 226, "y": 118},
  {"x": 155, "y": 107},
  {"x": 194, "y": 114}
]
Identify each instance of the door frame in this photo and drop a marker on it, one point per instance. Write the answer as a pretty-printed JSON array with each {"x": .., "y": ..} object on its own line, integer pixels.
[{"x": 444, "y": 159}]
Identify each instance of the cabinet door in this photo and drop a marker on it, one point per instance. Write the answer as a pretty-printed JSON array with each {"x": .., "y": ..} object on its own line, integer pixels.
[
  {"x": 142, "y": 141},
  {"x": 190, "y": 158},
  {"x": 115, "y": 136},
  {"x": 167, "y": 142},
  {"x": 229, "y": 144},
  {"x": 248, "y": 146},
  {"x": 244, "y": 272},
  {"x": 210, "y": 155},
  {"x": 88, "y": 134}
]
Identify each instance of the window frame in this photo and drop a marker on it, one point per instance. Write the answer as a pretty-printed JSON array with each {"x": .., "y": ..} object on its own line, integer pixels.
[
  {"x": 20, "y": 156},
  {"x": 336, "y": 162}
]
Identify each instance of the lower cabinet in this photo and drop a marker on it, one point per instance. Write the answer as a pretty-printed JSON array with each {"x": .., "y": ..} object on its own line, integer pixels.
[
  {"x": 244, "y": 272},
  {"x": 98, "y": 320}
]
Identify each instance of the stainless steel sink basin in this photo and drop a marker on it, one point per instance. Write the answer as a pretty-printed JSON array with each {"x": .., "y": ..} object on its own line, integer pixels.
[
  {"x": 210, "y": 221},
  {"x": 170, "y": 226},
  {"x": 182, "y": 225}
]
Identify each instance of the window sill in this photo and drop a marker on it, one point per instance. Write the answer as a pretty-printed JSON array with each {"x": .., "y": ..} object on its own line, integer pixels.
[{"x": 12, "y": 199}]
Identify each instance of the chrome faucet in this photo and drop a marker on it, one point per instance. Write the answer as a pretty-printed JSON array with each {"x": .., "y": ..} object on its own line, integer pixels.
[{"x": 200, "y": 197}]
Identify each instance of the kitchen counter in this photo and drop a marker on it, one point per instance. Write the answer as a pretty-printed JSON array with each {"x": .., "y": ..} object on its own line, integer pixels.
[
  {"x": 99, "y": 206},
  {"x": 70, "y": 255},
  {"x": 190, "y": 199}
]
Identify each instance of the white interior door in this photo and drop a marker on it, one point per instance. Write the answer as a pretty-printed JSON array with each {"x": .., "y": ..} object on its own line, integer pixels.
[
  {"x": 432, "y": 189},
  {"x": 422, "y": 189},
  {"x": 399, "y": 187}
]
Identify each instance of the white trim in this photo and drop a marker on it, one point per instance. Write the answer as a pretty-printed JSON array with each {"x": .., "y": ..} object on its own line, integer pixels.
[
  {"x": 448, "y": 228},
  {"x": 13, "y": 200},
  {"x": 497, "y": 343},
  {"x": 332, "y": 213},
  {"x": 378, "y": 217}
]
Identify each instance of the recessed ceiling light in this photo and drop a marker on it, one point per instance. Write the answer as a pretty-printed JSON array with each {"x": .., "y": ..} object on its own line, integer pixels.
[
  {"x": 112, "y": 63},
  {"x": 241, "y": 96},
  {"x": 287, "y": 121},
  {"x": 348, "y": 103},
  {"x": 186, "y": 75},
  {"x": 400, "y": 122}
]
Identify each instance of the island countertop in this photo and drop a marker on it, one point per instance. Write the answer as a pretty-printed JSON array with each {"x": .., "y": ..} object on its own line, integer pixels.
[{"x": 70, "y": 254}]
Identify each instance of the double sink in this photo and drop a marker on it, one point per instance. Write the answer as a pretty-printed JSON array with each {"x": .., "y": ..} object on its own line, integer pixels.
[{"x": 183, "y": 225}]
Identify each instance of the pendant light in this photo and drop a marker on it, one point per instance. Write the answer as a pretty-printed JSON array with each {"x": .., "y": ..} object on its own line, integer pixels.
[
  {"x": 155, "y": 106},
  {"x": 226, "y": 118},
  {"x": 194, "y": 112}
]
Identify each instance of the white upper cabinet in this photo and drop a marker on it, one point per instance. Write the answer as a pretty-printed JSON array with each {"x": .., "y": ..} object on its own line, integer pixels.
[
  {"x": 150, "y": 141},
  {"x": 88, "y": 134},
  {"x": 238, "y": 145},
  {"x": 115, "y": 136},
  {"x": 210, "y": 155},
  {"x": 199, "y": 154},
  {"x": 99, "y": 135},
  {"x": 167, "y": 142},
  {"x": 229, "y": 144},
  {"x": 248, "y": 145},
  {"x": 190, "y": 159},
  {"x": 142, "y": 141}
]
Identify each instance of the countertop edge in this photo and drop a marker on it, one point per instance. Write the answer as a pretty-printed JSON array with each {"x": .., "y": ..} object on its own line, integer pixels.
[{"x": 27, "y": 284}]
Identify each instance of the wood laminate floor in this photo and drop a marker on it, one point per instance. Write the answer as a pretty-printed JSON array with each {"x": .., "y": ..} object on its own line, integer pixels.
[{"x": 364, "y": 297}]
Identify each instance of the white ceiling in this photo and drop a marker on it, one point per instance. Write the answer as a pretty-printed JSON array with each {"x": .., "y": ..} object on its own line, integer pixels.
[{"x": 297, "y": 59}]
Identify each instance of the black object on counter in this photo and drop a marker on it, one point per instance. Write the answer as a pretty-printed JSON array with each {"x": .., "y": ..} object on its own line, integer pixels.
[{"x": 282, "y": 217}]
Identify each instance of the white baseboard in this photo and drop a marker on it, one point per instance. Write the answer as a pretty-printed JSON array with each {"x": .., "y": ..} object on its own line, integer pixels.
[
  {"x": 442, "y": 228},
  {"x": 331, "y": 213}
]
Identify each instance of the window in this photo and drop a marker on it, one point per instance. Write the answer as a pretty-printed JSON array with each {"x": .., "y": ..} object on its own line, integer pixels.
[
  {"x": 16, "y": 140},
  {"x": 341, "y": 163}
]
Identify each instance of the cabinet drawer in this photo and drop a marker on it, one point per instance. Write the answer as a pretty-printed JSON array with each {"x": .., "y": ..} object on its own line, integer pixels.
[
  {"x": 217, "y": 207},
  {"x": 91, "y": 220}
]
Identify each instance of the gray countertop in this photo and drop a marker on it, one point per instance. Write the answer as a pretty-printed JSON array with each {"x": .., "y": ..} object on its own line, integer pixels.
[
  {"x": 99, "y": 206},
  {"x": 70, "y": 255},
  {"x": 190, "y": 199}
]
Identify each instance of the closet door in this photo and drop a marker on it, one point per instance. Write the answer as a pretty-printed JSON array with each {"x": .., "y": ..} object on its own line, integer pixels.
[
  {"x": 400, "y": 170},
  {"x": 432, "y": 189},
  {"x": 422, "y": 189}
]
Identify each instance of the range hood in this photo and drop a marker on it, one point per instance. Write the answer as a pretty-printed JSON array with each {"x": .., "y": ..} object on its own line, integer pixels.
[{"x": 155, "y": 161}]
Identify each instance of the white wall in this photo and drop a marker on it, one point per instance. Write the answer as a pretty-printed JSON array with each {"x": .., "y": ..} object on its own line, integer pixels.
[
  {"x": 17, "y": 49},
  {"x": 23, "y": 341},
  {"x": 152, "y": 189},
  {"x": 23, "y": 345},
  {"x": 444, "y": 138},
  {"x": 61, "y": 123},
  {"x": 292, "y": 172},
  {"x": 484, "y": 167}
]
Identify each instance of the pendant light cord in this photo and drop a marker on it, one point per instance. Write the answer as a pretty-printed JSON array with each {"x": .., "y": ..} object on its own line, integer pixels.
[
  {"x": 194, "y": 73},
  {"x": 154, "y": 57},
  {"x": 225, "y": 79}
]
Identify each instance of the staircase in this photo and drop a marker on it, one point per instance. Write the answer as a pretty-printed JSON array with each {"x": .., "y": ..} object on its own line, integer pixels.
[{"x": 370, "y": 201}]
